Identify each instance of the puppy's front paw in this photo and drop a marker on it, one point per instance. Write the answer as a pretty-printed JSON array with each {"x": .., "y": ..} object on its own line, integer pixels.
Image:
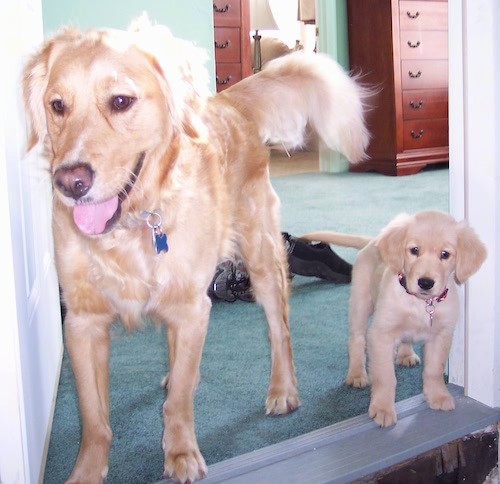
[
  {"x": 186, "y": 467},
  {"x": 441, "y": 401},
  {"x": 357, "y": 379},
  {"x": 383, "y": 415}
]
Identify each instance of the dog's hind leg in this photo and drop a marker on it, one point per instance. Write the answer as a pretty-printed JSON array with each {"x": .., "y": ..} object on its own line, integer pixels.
[
  {"x": 360, "y": 308},
  {"x": 263, "y": 251},
  {"x": 358, "y": 318},
  {"x": 88, "y": 343}
]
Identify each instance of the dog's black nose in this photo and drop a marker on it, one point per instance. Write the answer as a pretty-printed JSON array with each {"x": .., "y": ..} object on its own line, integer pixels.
[
  {"x": 75, "y": 180},
  {"x": 425, "y": 283}
]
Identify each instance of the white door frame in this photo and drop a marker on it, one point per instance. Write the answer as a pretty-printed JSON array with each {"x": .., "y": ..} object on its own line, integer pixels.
[
  {"x": 474, "y": 57},
  {"x": 30, "y": 332}
]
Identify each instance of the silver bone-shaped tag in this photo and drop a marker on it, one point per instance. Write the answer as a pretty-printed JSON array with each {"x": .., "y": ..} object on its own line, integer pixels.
[{"x": 159, "y": 239}]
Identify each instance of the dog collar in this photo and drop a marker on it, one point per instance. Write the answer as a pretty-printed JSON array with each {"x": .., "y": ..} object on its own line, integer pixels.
[
  {"x": 429, "y": 303},
  {"x": 159, "y": 238}
]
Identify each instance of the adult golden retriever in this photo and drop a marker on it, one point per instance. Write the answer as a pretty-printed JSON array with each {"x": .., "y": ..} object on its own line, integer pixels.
[
  {"x": 406, "y": 279},
  {"x": 154, "y": 182}
]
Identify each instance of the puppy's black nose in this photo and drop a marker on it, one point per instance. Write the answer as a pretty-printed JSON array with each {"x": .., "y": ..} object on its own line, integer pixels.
[
  {"x": 75, "y": 180},
  {"x": 425, "y": 283}
]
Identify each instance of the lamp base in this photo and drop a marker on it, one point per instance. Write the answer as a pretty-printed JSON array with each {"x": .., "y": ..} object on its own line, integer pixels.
[{"x": 257, "y": 58}]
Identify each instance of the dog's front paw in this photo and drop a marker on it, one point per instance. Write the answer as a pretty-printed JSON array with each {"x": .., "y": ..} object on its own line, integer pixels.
[
  {"x": 358, "y": 379},
  {"x": 186, "y": 467},
  {"x": 91, "y": 465},
  {"x": 383, "y": 415},
  {"x": 441, "y": 401},
  {"x": 90, "y": 476},
  {"x": 282, "y": 403}
]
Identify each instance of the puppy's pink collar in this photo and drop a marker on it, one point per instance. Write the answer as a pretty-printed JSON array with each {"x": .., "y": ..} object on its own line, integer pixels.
[{"x": 429, "y": 303}]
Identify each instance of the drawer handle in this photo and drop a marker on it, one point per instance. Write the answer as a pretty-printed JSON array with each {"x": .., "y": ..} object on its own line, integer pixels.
[
  {"x": 227, "y": 80},
  {"x": 224, "y": 45},
  {"x": 416, "y": 106},
  {"x": 414, "y": 76},
  {"x": 221, "y": 10},
  {"x": 417, "y": 135},
  {"x": 413, "y": 16},
  {"x": 414, "y": 46}
]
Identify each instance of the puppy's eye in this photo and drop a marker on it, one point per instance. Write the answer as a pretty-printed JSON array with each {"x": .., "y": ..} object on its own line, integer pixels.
[
  {"x": 445, "y": 255},
  {"x": 414, "y": 251},
  {"x": 58, "y": 106},
  {"x": 121, "y": 103}
]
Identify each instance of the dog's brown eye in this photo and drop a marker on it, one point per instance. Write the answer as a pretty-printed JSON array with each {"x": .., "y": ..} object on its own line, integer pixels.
[
  {"x": 121, "y": 103},
  {"x": 445, "y": 255},
  {"x": 414, "y": 251},
  {"x": 57, "y": 106}
]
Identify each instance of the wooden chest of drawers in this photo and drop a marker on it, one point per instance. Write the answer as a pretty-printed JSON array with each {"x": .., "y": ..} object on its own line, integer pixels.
[
  {"x": 401, "y": 48},
  {"x": 232, "y": 42}
]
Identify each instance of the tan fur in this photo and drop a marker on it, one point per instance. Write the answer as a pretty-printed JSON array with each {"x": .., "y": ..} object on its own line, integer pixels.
[
  {"x": 197, "y": 160},
  {"x": 401, "y": 317}
]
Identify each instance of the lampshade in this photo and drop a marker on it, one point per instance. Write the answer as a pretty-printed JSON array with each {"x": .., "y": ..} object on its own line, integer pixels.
[{"x": 261, "y": 16}]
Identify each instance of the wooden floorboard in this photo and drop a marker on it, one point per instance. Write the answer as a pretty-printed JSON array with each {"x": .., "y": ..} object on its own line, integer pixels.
[{"x": 283, "y": 164}]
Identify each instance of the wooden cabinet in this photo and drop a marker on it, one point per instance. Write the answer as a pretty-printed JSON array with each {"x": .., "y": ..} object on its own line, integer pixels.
[
  {"x": 232, "y": 42},
  {"x": 400, "y": 47}
]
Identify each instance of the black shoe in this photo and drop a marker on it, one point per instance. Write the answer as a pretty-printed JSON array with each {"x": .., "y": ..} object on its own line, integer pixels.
[
  {"x": 239, "y": 283},
  {"x": 219, "y": 288},
  {"x": 316, "y": 260},
  {"x": 231, "y": 282}
]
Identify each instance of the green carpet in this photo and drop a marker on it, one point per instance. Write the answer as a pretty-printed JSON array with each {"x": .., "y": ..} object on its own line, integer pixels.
[{"x": 229, "y": 406}]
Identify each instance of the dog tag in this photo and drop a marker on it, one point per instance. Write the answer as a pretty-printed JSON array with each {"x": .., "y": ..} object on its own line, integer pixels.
[
  {"x": 159, "y": 241},
  {"x": 154, "y": 221},
  {"x": 429, "y": 308}
]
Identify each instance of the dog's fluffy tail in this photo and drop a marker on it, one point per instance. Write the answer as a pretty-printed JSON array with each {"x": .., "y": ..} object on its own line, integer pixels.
[
  {"x": 305, "y": 89},
  {"x": 337, "y": 238}
]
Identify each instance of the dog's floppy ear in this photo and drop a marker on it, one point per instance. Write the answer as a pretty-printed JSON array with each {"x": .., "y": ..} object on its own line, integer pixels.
[
  {"x": 471, "y": 253},
  {"x": 34, "y": 84},
  {"x": 181, "y": 67},
  {"x": 391, "y": 242}
]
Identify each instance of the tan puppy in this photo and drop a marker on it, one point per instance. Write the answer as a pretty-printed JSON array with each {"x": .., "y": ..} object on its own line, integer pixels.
[
  {"x": 139, "y": 151},
  {"x": 406, "y": 279}
]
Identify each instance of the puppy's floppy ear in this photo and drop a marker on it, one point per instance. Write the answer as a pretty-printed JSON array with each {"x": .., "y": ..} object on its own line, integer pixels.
[
  {"x": 471, "y": 253},
  {"x": 34, "y": 83},
  {"x": 391, "y": 242},
  {"x": 181, "y": 66}
]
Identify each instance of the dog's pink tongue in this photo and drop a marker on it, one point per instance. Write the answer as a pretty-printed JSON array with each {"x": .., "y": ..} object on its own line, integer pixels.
[{"x": 91, "y": 218}]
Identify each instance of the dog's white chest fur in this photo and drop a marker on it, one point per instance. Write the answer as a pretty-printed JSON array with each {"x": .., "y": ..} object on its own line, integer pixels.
[{"x": 415, "y": 319}]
